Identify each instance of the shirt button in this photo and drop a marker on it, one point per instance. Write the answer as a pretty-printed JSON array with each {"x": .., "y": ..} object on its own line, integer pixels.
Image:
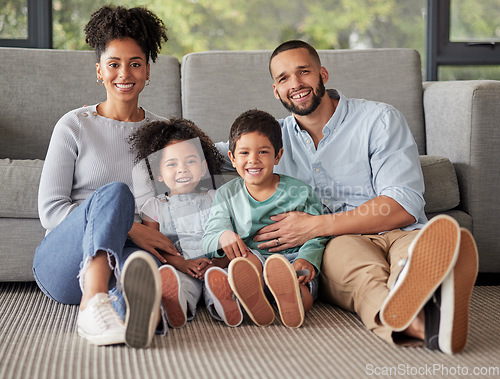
[
  {"x": 326, "y": 201},
  {"x": 308, "y": 141},
  {"x": 95, "y": 113},
  {"x": 85, "y": 115},
  {"x": 335, "y": 129},
  {"x": 317, "y": 170}
]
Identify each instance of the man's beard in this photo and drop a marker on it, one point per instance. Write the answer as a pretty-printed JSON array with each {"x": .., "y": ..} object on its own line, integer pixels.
[{"x": 316, "y": 101}]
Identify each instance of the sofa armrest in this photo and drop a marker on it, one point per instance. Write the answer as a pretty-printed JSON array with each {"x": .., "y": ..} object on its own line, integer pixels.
[{"x": 462, "y": 124}]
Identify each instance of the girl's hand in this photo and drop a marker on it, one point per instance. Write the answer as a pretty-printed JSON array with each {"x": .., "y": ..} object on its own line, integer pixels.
[{"x": 196, "y": 267}]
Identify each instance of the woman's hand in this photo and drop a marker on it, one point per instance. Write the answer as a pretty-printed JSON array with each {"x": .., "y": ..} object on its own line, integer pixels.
[
  {"x": 290, "y": 229},
  {"x": 152, "y": 240},
  {"x": 233, "y": 245}
]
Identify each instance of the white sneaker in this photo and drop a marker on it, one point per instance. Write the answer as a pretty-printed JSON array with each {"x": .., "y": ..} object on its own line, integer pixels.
[
  {"x": 99, "y": 323},
  {"x": 141, "y": 286}
]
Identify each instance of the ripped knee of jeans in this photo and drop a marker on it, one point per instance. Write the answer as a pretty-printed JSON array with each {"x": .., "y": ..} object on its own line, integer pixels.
[{"x": 112, "y": 263}]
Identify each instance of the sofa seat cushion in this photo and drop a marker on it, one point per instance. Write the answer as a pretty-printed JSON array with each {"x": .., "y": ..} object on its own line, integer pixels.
[
  {"x": 441, "y": 185},
  {"x": 19, "y": 181}
]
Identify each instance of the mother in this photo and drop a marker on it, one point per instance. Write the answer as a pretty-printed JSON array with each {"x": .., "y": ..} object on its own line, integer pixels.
[{"x": 85, "y": 199}]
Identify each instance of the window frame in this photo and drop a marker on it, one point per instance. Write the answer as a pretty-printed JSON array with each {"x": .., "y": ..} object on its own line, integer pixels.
[
  {"x": 39, "y": 27},
  {"x": 441, "y": 51}
]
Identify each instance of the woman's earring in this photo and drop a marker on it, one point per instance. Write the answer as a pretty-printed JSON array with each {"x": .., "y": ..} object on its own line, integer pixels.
[
  {"x": 100, "y": 82},
  {"x": 148, "y": 82}
]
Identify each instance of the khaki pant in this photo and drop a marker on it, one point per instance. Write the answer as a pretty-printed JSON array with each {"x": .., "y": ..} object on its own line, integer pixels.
[{"x": 358, "y": 271}]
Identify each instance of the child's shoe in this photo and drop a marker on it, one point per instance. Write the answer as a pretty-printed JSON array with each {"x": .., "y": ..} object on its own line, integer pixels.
[
  {"x": 225, "y": 302},
  {"x": 281, "y": 280},
  {"x": 172, "y": 297},
  {"x": 246, "y": 282}
]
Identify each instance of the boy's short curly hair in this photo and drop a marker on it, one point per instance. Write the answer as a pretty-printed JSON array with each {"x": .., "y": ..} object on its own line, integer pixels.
[
  {"x": 255, "y": 120},
  {"x": 110, "y": 23},
  {"x": 154, "y": 136}
]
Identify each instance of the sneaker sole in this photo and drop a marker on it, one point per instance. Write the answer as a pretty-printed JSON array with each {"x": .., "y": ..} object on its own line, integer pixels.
[
  {"x": 142, "y": 292},
  {"x": 431, "y": 256},
  {"x": 281, "y": 280},
  {"x": 217, "y": 285},
  {"x": 458, "y": 286},
  {"x": 246, "y": 283},
  {"x": 113, "y": 339},
  {"x": 171, "y": 297}
]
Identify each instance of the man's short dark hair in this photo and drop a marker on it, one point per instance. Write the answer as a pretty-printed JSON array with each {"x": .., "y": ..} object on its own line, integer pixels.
[
  {"x": 259, "y": 121},
  {"x": 291, "y": 45}
]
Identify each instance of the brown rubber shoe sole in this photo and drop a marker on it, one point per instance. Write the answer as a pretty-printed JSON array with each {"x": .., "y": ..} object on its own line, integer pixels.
[
  {"x": 281, "y": 280},
  {"x": 464, "y": 277},
  {"x": 170, "y": 297},
  {"x": 216, "y": 281},
  {"x": 431, "y": 257},
  {"x": 246, "y": 283}
]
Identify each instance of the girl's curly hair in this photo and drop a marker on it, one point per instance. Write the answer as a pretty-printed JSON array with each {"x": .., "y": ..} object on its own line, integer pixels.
[
  {"x": 110, "y": 23},
  {"x": 154, "y": 136}
]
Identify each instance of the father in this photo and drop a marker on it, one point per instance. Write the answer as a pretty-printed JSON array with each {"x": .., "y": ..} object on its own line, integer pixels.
[{"x": 362, "y": 160}]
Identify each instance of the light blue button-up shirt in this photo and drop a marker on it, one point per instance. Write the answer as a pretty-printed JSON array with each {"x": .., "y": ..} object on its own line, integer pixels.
[{"x": 367, "y": 151}]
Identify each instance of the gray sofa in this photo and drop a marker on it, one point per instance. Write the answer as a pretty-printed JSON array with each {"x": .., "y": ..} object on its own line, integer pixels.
[{"x": 455, "y": 125}]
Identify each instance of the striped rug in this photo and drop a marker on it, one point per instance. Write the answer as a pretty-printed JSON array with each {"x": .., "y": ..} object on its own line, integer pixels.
[{"x": 38, "y": 339}]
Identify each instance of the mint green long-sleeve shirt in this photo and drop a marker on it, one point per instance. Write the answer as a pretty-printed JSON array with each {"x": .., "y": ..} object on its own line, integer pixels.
[{"x": 236, "y": 210}]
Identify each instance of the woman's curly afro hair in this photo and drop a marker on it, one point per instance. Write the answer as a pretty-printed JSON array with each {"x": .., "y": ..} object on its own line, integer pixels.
[
  {"x": 110, "y": 23},
  {"x": 154, "y": 136}
]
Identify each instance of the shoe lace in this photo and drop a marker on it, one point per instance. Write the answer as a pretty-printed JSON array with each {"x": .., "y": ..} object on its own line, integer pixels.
[{"x": 104, "y": 311}]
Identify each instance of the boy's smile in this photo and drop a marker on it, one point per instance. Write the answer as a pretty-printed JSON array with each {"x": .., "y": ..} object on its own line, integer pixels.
[{"x": 254, "y": 159}]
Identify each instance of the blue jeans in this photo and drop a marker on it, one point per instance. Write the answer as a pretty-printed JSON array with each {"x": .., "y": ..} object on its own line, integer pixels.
[{"x": 101, "y": 222}]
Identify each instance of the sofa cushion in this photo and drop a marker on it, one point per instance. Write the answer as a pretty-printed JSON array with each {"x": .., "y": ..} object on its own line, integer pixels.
[
  {"x": 441, "y": 185},
  {"x": 19, "y": 180}
]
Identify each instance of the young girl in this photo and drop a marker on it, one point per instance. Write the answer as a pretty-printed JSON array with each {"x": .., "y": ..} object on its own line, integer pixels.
[{"x": 181, "y": 161}]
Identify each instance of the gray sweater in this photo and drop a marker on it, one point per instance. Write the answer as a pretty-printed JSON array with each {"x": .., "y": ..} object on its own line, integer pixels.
[{"x": 86, "y": 151}]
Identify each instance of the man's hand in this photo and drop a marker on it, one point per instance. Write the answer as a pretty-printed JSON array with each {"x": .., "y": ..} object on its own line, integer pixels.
[
  {"x": 302, "y": 264},
  {"x": 233, "y": 245},
  {"x": 290, "y": 229},
  {"x": 152, "y": 240}
]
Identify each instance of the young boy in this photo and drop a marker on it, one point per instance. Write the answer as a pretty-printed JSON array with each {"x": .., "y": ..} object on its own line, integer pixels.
[{"x": 245, "y": 205}]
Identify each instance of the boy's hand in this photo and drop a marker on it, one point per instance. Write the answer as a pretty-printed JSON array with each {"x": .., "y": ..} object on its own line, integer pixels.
[
  {"x": 196, "y": 267},
  {"x": 302, "y": 264},
  {"x": 232, "y": 245}
]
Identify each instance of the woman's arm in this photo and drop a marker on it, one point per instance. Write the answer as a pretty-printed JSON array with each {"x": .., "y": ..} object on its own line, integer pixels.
[
  {"x": 148, "y": 237},
  {"x": 56, "y": 182}
]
